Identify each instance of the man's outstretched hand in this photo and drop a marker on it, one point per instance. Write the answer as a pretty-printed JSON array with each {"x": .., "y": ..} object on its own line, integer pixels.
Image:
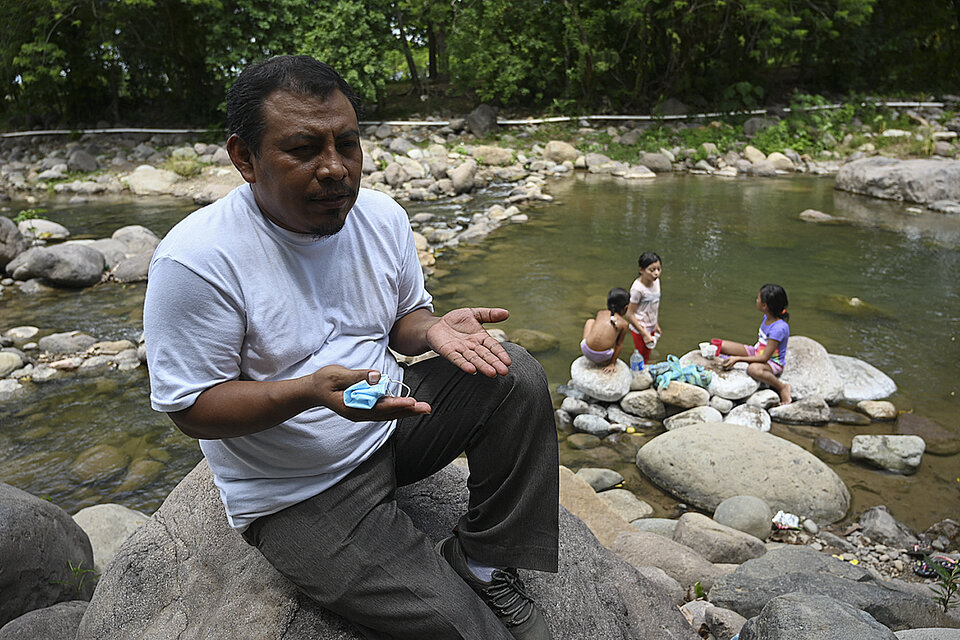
[{"x": 459, "y": 337}]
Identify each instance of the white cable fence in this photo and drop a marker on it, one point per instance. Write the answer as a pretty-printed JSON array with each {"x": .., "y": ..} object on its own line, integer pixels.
[{"x": 896, "y": 104}]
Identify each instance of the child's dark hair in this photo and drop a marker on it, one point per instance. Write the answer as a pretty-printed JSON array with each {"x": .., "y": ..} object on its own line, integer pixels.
[
  {"x": 775, "y": 298},
  {"x": 618, "y": 299},
  {"x": 647, "y": 258}
]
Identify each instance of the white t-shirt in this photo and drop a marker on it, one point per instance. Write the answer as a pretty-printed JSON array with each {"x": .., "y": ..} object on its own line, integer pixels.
[
  {"x": 232, "y": 296},
  {"x": 647, "y": 300}
]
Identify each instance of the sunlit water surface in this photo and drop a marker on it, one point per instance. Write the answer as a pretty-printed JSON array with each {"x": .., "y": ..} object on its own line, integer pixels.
[{"x": 720, "y": 241}]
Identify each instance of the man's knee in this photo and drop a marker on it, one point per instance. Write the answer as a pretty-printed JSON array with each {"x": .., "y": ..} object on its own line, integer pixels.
[{"x": 525, "y": 369}]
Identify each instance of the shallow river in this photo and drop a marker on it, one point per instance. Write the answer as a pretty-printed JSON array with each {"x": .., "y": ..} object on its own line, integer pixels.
[{"x": 720, "y": 241}]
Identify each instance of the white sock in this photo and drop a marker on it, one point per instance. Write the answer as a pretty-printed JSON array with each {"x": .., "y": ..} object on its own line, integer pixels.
[{"x": 482, "y": 571}]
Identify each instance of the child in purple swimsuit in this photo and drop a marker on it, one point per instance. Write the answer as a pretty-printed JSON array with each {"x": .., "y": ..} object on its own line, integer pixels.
[
  {"x": 603, "y": 335},
  {"x": 766, "y": 358}
]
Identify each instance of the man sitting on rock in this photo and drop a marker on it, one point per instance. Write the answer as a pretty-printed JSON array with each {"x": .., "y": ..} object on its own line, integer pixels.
[{"x": 266, "y": 306}]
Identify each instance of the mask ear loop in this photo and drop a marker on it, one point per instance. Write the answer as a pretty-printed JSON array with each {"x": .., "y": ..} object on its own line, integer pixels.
[{"x": 403, "y": 390}]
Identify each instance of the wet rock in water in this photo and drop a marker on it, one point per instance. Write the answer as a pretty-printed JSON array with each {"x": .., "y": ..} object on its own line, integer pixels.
[
  {"x": 21, "y": 335},
  {"x": 808, "y": 410},
  {"x": 10, "y": 389},
  {"x": 40, "y": 229},
  {"x": 810, "y": 371},
  {"x": 140, "y": 473},
  {"x": 748, "y": 514},
  {"x": 813, "y": 617},
  {"x": 113, "y": 251},
  {"x": 749, "y": 416},
  {"x": 628, "y": 505},
  {"x": 819, "y": 217},
  {"x": 696, "y": 415},
  {"x": 830, "y": 450},
  {"x": 862, "y": 381},
  {"x": 592, "y": 424},
  {"x": 12, "y": 242},
  {"x": 684, "y": 395},
  {"x": 656, "y": 162},
  {"x": 464, "y": 176},
  {"x": 717, "y": 542},
  {"x": 57, "y": 621},
  {"x": 950, "y": 207},
  {"x": 596, "y": 383},
  {"x": 616, "y": 415},
  {"x": 534, "y": 341},
  {"x": 852, "y": 307},
  {"x": 574, "y": 407},
  {"x": 707, "y": 463},
  {"x": 583, "y": 441},
  {"x": 801, "y": 569},
  {"x": 645, "y": 404},
  {"x": 108, "y": 526},
  {"x": 878, "y": 410},
  {"x": 840, "y": 415},
  {"x": 132, "y": 269},
  {"x": 10, "y": 361},
  {"x": 877, "y": 524},
  {"x": 564, "y": 421},
  {"x": 67, "y": 265},
  {"x": 39, "y": 544},
  {"x": 938, "y": 439},
  {"x": 625, "y": 445},
  {"x": 900, "y": 454},
  {"x": 599, "y": 479},
  {"x": 66, "y": 342},
  {"x": 922, "y": 181},
  {"x": 99, "y": 462},
  {"x": 137, "y": 238}
]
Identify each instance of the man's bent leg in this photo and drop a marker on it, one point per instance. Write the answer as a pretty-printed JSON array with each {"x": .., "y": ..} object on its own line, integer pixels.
[
  {"x": 356, "y": 553},
  {"x": 506, "y": 426}
]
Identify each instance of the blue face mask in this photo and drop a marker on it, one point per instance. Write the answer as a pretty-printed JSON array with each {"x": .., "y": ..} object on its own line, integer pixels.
[{"x": 363, "y": 395}]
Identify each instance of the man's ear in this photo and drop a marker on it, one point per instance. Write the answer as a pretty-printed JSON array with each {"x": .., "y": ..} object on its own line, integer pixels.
[{"x": 242, "y": 157}]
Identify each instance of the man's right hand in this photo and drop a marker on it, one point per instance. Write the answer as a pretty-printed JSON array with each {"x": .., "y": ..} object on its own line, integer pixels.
[{"x": 332, "y": 380}]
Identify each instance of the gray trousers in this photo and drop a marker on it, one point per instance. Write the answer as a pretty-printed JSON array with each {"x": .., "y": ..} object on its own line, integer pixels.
[{"x": 356, "y": 553}]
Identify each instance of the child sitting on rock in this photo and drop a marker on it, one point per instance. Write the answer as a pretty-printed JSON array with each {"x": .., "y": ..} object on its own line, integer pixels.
[
  {"x": 767, "y": 357},
  {"x": 603, "y": 335}
]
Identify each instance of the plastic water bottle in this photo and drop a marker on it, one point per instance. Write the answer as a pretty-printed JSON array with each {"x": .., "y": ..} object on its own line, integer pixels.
[{"x": 636, "y": 361}]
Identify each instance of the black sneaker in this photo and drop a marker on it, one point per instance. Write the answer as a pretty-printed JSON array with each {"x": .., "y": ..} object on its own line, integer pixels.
[{"x": 504, "y": 594}]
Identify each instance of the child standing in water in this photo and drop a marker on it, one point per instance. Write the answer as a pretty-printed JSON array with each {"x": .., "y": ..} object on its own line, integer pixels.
[
  {"x": 769, "y": 355},
  {"x": 603, "y": 335},
  {"x": 644, "y": 309}
]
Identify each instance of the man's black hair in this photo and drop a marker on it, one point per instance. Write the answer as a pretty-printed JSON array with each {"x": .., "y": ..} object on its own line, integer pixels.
[{"x": 299, "y": 74}]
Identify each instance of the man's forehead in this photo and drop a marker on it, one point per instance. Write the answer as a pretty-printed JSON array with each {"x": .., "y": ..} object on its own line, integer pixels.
[{"x": 291, "y": 112}]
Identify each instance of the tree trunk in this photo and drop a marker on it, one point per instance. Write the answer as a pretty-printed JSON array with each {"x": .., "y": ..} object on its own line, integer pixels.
[{"x": 411, "y": 65}]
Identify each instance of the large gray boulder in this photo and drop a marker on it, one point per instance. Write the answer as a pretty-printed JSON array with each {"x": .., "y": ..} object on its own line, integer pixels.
[
  {"x": 56, "y": 622},
  {"x": 186, "y": 574},
  {"x": 926, "y": 180},
  {"x": 137, "y": 238},
  {"x": 880, "y": 526},
  {"x": 861, "y": 380},
  {"x": 595, "y": 382},
  {"x": 800, "y": 616},
  {"x": 45, "y": 557},
  {"x": 133, "y": 269},
  {"x": 680, "y": 562},
  {"x": 810, "y": 371},
  {"x": 900, "y": 454},
  {"x": 801, "y": 569},
  {"x": 67, "y": 265},
  {"x": 482, "y": 120},
  {"x": 707, "y": 463},
  {"x": 12, "y": 242},
  {"x": 715, "y": 541}
]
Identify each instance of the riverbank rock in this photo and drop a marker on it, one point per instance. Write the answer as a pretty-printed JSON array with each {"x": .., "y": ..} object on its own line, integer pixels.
[
  {"x": 879, "y": 410},
  {"x": 862, "y": 381},
  {"x": 705, "y": 464},
  {"x": 810, "y": 371},
  {"x": 692, "y": 416},
  {"x": 799, "y": 616},
  {"x": 749, "y": 415},
  {"x": 733, "y": 384},
  {"x": 108, "y": 526},
  {"x": 716, "y": 542},
  {"x": 877, "y": 524},
  {"x": 39, "y": 544},
  {"x": 149, "y": 181},
  {"x": 50, "y": 623},
  {"x": 595, "y": 382},
  {"x": 680, "y": 562},
  {"x": 745, "y": 513},
  {"x": 900, "y": 454},
  {"x": 921, "y": 181},
  {"x": 808, "y": 410},
  {"x": 802, "y": 570},
  {"x": 185, "y": 573}
]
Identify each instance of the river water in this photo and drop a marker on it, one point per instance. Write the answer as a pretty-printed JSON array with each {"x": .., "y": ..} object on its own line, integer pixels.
[{"x": 720, "y": 241}]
